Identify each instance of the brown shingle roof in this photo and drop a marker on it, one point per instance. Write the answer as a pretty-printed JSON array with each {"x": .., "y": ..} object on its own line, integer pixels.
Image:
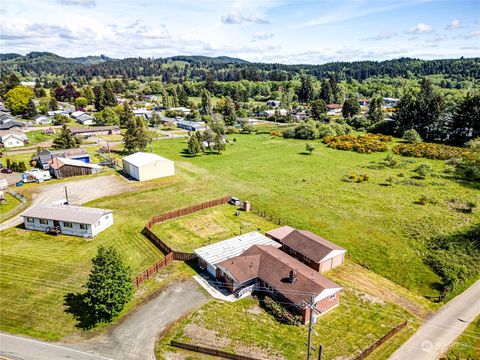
[
  {"x": 309, "y": 244},
  {"x": 273, "y": 266},
  {"x": 279, "y": 233}
]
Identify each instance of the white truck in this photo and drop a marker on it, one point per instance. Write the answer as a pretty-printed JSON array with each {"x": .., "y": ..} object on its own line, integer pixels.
[{"x": 36, "y": 175}]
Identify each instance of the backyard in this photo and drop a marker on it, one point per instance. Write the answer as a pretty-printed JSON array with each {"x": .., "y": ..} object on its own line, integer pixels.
[{"x": 208, "y": 226}]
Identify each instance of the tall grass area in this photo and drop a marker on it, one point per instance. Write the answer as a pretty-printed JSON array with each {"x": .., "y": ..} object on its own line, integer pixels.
[{"x": 380, "y": 222}]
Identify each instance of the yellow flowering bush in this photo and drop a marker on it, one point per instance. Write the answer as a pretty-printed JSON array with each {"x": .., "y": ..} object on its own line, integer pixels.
[
  {"x": 360, "y": 143},
  {"x": 430, "y": 151}
]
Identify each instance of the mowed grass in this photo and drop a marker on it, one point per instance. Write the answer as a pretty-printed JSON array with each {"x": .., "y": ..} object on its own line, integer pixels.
[
  {"x": 467, "y": 346},
  {"x": 209, "y": 226},
  {"x": 382, "y": 227},
  {"x": 11, "y": 202}
]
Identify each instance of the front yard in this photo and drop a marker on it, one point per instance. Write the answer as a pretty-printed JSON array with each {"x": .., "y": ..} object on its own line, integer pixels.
[{"x": 208, "y": 226}]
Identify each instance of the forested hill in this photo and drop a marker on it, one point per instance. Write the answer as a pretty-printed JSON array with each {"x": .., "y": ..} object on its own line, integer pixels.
[{"x": 225, "y": 68}]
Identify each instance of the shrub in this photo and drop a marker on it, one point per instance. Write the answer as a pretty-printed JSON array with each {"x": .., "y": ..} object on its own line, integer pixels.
[
  {"x": 356, "y": 178},
  {"x": 430, "y": 151},
  {"x": 423, "y": 170},
  {"x": 363, "y": 144},
  {"x": 309, "y": 147},
  {"x": 277, "y": 133},
  {"x": 412, "y": 136},
  {"x": 279, "y": 312},
  {"x": 231, "y": 130}
]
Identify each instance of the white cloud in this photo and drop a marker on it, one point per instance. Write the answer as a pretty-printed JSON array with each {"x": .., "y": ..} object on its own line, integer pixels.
[
  {"x": 472, "y": 35},
  {"x": 236, "y": 17},
  {"x": 420, "y": 28},
  {"x": 455, "y": 24},
  {"x": 384, "y": 35},
  {"x": 262, "y": 35},
  {"x": 86, "y": 3}
]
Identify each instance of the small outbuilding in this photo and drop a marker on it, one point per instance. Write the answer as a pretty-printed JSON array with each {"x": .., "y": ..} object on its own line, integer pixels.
[
  {"x": 62, "y": 168},
  {"x": 146, "y": 166},
  {"x": 67, "y": 219}
]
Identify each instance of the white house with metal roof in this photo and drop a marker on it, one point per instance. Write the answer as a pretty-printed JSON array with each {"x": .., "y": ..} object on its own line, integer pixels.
[
  {"x": 67, "y": 219},
  {"x": 147, "y": 166},
  {"x": 210, "y": 255}
]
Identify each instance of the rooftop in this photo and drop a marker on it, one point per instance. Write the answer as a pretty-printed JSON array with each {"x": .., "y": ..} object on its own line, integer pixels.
[
  {"x": 59, "y": 161},
  {"x": 69, "y": 213},
  {"x": 141, "y": 158}
]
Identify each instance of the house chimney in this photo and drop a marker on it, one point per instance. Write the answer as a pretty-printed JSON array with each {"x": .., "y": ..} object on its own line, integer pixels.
[{"x": 293, "y": 276}]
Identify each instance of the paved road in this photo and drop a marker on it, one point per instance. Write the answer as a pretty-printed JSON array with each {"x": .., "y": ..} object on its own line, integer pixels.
[
  {"x": 17, "y": 347},
  {"x": 134, "y": 338},
  {"x": 79, "y": 192},
  {"x": 435, "y": 336}
]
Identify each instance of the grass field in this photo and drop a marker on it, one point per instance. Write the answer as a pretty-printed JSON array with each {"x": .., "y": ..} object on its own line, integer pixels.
[
  {"x": 467, "y": 346},
  {"x": 383, "y": 227},
  {"x": 208, "y": 226},
  {"x": 35, "y": 137},
  {"x": 11, "y": 203}
]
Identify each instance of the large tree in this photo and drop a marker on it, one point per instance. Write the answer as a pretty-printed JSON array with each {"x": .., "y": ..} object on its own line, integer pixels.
[
  {"x": 318, "y": 109},
  {"x": 99, "y": 98},
  {"x": 326, "y": 93},
  {"x": 136, "y": 137},
  {"x": 350, "y": 108},
  {"x": 194, "y": 145},
  {"x": 375, "y": 111},
  {"x": 31, "y": 110},
  {"x": 65, "y": 139},
  {"x": 107, "y": 117},
  {"x": 206, "y": 102},
  {"x": 109, "y": 286},
  {"x": 18, "y": 99},
  {"x": 109, "y": 94},
  {"x": 466, "y": 119},
  {"x": 430, "y": 110},
  {"x": 406, "y": 114},
  {"x": 306, "y": 91}
]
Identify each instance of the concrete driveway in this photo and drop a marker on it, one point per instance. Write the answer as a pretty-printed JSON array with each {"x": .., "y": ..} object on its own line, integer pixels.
[{"x": 79, "y": 192}]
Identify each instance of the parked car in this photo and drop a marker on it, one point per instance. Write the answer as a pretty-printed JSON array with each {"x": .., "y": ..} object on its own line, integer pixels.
[
  {"x": 19, "y": 183},
  {"x": 6, "y": 171}
]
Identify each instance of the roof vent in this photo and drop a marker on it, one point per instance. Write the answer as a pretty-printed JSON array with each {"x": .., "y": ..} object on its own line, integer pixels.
[{"x": 292, "y": 276}]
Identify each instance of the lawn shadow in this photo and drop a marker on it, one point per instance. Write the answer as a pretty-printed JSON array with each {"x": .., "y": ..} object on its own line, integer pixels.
[
  {"x": 75, "y": 305},
  {"x": 304, "y": 153}
]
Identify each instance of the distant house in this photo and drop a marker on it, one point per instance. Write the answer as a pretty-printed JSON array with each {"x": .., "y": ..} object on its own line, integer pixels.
[
  {"x": 334, "y": 109},
  {"x": 42, "y": 120},
  {"x": 363, "y": 102},
  {"x": 57, "y": 112},
  {"x": 95, "y": 130},
  {"x": 45, "y": 157},
  {"x": 67, "y": 219},
  {"x": 273, "y": 103},
  {"x": 85, "y": 119},
  {"x": 8, "y": 122},
  {"x": 182, "y": 109},
  {"x": 271, "y": 113},
  {"x": 146, "y": 166},
  {"x": 209, "y": 256},
  {"x": 314, "y": 251},
  {"x": 76, "y": 114},
  {"x": 390, "y": 102},
  {"x": 9, "y": 138},
  {"x": 268, "y": 269},
  {"x": 191, "y": 125},
  {"x": 63, "y": 168},
  {"x": 143, "y": 113}
]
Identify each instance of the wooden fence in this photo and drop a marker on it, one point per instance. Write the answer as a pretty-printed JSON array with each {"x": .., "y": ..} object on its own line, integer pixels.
[
  {"x": 379, "y": 342},
  {"x": 209, "y": 351},
  {"x": 152, "y": 270},
  {"x": 171, "y": 254},
  {"x": 267, "y": 216}
]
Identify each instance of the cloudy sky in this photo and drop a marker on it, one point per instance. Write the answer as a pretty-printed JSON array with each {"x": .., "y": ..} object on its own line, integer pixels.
[{"x": 302, "y": 31}]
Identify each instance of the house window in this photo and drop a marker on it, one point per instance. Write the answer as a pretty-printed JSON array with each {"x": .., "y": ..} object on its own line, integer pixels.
[
  {"x": 83, "y": 226},
  {"x": 44, "y": 221},
  {"x": 67, "y": 224},
  {"x": 29, "y": 219},
  {"x": 306, "y": 259}
]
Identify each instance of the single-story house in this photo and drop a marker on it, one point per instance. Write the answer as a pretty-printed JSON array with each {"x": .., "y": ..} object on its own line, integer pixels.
[
  {"x": 42, "y": 119},
  {"x": 273, "y": 103},
  {"x": 85, "y": 119},
  {"x": 77, "y": 114},
  {"x": 67, "y": 219},
  {"x": 268, "y": 269},
  {"x": 63, "y": 168},
  {"x": 57, "y": 112},
  {"x": 313, "y": 250},
  {"x": 390, "y": 102},
  {"x": 147, "y": 166},
  {"x": 334, "y": 109},
  {"x": 209, "y": 256},
  {"x": 191, "y": 125},
  {"x": 95, "y": 130},
  {"x": 182, "y": 109},
  {"x": 271, "y": 113},
  {"x": 45, "y": 157},
  {"x": 9, "y": 138},
  {"x": 363, "y": 102},
  {"x": 7, "y": 122},
  {"x": 143, "y": 113}
]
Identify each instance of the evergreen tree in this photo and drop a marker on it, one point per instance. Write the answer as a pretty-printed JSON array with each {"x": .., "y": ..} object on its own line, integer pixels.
[
  {"x": 194, "y": 146},
  {"x": 136, "y": 137},
  {"x": 229, "y": 116},
  {"x": 218, "y": 145},
  {"x": 31, "y": 110},
  {"x": 466, "y": 119},
  {"x": 99, "y": 98},
  {"x": 109, "y": 95},
  {"x": 53, "y": 105},
  {"x": 375, "y": 111},
  {"x": 66, "y": 140},
  {"x": 350, "y": 108},
  {"x": 206, "y": 102},
  {"x": 109, "y": 286},
  {"x": 88, "y": 94},
  {"x": 11, "y": 81},
  {"x": 126, "y": 115},
  {"x": 406, "y": 114},
  {"x": 208, "y": 136},
  {"x": 430, "y": 110},
  {"x": 182, "y": 96},
  {"x": 326, "y": 93},
  {"x": 305, "y": 93}
]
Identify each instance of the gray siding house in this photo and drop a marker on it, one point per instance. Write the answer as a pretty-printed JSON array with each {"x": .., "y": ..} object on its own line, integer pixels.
[{"x": 68, "y": 219}]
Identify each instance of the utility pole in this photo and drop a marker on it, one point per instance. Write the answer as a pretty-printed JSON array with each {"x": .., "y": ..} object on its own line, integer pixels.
[
  {"x": 320, "y": 350},
  {"x": 66, "y": 195},
  {"x": 311, "y": 306}
]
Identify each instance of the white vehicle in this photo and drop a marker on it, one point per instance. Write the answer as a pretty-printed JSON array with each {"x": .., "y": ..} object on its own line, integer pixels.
[{"x": 36, "y": 175}]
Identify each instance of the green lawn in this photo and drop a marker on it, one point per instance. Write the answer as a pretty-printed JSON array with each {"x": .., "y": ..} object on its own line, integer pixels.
[
  {"x": 11, "y": 203},
  {"x": 208, "y": 226},
  {"x": 382, "y": 227},
  {"x": 467, "y": 346},
  {"x": 35, "y": 137}
]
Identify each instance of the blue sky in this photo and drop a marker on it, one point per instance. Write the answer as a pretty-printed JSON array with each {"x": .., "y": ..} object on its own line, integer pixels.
[{"x": 306, "y": 31}]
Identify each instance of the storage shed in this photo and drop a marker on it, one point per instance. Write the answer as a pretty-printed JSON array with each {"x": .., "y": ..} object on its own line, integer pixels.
[{"x": 146, "y": 166}]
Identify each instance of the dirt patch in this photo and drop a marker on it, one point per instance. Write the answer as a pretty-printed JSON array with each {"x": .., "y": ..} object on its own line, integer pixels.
[
  {"x": 255, "y": 310},
  {"x": 257, "y": 353},
  {"x": 204, "y": 225},
  {"x": 205, "y": 337},
  {"x": 174, "y": 356}
]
